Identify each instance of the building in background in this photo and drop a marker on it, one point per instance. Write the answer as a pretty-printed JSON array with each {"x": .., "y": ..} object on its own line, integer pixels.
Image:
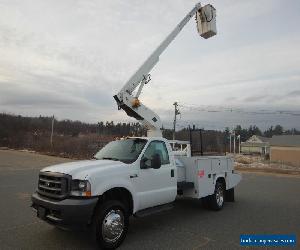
[
  {"x": 256, "y": 145},
  {"x": 285, "y": 149}
]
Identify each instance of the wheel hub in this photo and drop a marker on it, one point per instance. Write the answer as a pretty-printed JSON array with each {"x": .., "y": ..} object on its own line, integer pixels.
[
  {"x": 113, "y": 225},
  {"x": 220, "y": 196}
]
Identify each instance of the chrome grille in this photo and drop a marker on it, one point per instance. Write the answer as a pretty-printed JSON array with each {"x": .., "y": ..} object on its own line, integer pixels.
[{"x": 54, "y": 185}]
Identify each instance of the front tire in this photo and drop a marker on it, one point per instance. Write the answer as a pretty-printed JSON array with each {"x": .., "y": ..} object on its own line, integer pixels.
[{"x": 111, "y": 223}]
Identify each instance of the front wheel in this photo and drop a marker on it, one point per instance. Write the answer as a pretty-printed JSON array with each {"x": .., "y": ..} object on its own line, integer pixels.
[{"x": 111, "y": 224}]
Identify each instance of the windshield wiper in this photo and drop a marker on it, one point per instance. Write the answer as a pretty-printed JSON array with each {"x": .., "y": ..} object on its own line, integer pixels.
[{"x": 110, "y": 158}]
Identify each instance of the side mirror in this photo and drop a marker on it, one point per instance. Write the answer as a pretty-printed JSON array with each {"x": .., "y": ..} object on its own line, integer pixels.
[
  {"x": 156, "y": 162},
  {"x": 143, "y": 163}
]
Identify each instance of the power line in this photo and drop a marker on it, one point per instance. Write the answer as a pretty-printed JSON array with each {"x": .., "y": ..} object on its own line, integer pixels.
[{"x": 219, "y": 109}]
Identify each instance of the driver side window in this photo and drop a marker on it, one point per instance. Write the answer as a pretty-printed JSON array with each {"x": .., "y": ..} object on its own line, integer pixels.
[{"x": 156, "y": 147}]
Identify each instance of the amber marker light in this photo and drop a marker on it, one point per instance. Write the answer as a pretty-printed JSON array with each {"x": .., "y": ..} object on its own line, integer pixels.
[{"x": 135, "y": 103}]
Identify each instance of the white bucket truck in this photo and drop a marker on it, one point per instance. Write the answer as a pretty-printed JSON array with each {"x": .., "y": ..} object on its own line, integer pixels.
[{"x": 136, "y": 175}]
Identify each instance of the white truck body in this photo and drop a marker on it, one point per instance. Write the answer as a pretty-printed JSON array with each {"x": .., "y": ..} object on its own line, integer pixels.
[
  {"x": 203, "y": 171},
  {"x": 104, "y": 192},
  {"x": 195, "y": 176}
]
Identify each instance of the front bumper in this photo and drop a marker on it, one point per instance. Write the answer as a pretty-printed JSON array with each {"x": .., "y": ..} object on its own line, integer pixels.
[{"x": 67, "y": 213}]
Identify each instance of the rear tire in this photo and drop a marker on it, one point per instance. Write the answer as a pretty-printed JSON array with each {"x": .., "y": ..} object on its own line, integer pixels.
[
  {"x": 229, "y": 195},
  {"x": 216, "y": 201},
  {"x": 110, "y": 224},
  {"x": 205, "y": 202}
]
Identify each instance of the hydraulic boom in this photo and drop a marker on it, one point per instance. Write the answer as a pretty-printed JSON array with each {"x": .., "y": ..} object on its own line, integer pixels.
[{"x": 130, "y": 103}]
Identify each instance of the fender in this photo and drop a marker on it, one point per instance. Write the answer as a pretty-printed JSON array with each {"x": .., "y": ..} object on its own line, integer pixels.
[
  {"x": 233, "y": 180},
  {"x": 104, "y": 186},
  {"x": 221, "y": 175}
]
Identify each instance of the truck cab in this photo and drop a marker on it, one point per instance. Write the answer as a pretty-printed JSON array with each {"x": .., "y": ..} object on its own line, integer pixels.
[{"x": 137, "y": 172}]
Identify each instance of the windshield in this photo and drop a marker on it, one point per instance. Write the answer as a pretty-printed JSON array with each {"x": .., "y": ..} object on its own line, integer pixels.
[{"x": 126, "y": 151}]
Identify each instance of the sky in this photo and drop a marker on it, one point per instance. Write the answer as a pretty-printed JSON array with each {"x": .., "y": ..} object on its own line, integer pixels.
[{"x": 68, "y": 58}]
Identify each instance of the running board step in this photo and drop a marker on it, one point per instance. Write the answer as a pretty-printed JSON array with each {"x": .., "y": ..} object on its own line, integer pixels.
[
  {"x": 154, "y": 210},
  {"x": 183, "y": 185}
]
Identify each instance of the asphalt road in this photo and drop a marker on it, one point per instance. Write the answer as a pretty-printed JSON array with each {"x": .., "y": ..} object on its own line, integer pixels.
[{"x": 265, "y": 204}]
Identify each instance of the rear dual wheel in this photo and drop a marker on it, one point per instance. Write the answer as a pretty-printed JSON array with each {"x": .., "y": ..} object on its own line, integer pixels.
[{"x": 216, "y": 200}]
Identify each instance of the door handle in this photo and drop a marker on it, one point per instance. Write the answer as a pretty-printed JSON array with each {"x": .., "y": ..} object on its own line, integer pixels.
[
  {"x": 172, "y": 172},
  {"x": 133, "y": 176}
]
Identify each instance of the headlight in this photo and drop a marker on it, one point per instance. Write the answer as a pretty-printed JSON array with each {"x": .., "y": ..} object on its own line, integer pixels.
[{"x": 81, "y": 188}]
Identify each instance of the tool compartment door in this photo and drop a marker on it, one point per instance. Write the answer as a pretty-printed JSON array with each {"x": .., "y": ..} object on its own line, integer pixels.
[
  {"x": 204, "y": 178},
  {"x": 219, "y": 165}
]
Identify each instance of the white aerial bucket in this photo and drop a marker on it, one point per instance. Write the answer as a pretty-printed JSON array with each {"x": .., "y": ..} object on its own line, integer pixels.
[{"x": 206, "y": 21}]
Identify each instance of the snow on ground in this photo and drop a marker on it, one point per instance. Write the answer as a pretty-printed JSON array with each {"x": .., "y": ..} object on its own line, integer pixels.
[{"x": 250, "y": 161}]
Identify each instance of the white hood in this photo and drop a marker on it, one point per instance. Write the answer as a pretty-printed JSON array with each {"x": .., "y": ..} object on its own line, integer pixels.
[{"x": 74, "y": 168}]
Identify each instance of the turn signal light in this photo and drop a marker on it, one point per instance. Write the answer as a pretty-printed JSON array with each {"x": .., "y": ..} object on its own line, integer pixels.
[{"x": 88, "y": 193}]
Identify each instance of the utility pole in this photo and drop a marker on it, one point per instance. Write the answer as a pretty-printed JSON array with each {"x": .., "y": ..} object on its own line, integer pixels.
[
  {"x": 234, "y": 143},
  {"x": 239, "y": 138},
  {"x": 191, "y": 140},
  {"x": 176, "y": 112},
  {"x": 52, "y": 127},
  {"x": 230, "y": 142},
  {"x": 201, "y": 144}
]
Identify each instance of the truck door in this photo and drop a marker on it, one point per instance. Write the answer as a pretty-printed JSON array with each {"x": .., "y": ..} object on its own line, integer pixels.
[{"x": 156, "y": 186}]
